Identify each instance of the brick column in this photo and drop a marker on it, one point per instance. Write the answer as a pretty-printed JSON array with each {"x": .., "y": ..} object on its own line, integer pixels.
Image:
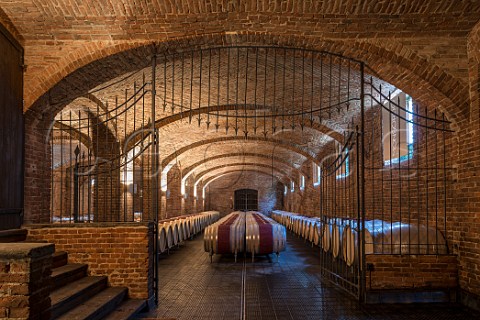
[
  {"x": 174, "y": 193},
  {"x": 189, "y": 198},
  {"x": 25, "y": 281},
  {"x": 198, "y": 202},
  {"x": 107, "y": 184}
]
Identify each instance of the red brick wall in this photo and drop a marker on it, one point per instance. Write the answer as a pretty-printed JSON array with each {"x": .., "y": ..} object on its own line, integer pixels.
[
  {"x": 411, "y": 272},
  {"x": 123, "y": 252},
  {"x": 466, "y": 200}
]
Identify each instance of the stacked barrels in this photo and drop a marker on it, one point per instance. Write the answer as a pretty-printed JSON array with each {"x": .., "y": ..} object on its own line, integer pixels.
[
  {"x": 340, "y": 236},
  {"x": 249, "y": 232},
  {"x": 263, "y": 235},
  {"x": 226, "y": 235},
  {"x": 171, "y": 232}
]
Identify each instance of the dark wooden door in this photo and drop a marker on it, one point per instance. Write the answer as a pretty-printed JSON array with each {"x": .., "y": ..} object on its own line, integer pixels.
[
  {"x": 246, "y": 200},
  {"x": 11, "y": 132}
]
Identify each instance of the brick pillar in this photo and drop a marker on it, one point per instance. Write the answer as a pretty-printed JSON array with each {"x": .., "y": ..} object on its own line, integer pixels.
[
  {"x": 146, "y": 192},
  {"x": 174, "y": 194},
  {"x": 279, "y": 190},
  {"x": 163, "y": 205},
  {"x": 25, "y": 281},
  {"x": 107, "y": 185},
  {"x": 190, "y": 199},
  {"x": 199, "y": 201},
  {"x": 60, "y": 193},
  {"x": 136, "y": 189}
]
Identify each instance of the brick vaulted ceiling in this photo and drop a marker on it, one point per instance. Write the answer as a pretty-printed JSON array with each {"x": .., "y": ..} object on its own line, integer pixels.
[{"x": 428, "y": 38}]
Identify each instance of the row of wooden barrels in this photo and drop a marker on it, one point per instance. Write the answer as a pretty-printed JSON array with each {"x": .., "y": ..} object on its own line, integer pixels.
[
  {"x": 172, "y": 232},
  {"x": 250, "y": 232},
  {"x": 341, "y": 236}
]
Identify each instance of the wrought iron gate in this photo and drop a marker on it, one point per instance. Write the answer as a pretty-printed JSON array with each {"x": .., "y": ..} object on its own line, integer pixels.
[
  {"x": 106, "y": 160},
  {"x": 384, "y": 191}
]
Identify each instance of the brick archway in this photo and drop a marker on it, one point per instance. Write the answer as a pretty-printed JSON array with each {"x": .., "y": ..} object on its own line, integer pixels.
[
  {"x": 168, "y": 161},
  {"x": 427, "y": 83},
  {"x": 191, "y": 168},
  {"x": 209, "y": 180},
  {"x": 247, "y": 165},
  {"x": 407, "y": 71}
]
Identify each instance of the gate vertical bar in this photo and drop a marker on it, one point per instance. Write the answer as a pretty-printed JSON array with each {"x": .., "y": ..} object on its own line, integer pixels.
[
  {"x": 362, "y": 279},
  {"x": 154, "y": 182},
  {"x": 75, "y": 186}
]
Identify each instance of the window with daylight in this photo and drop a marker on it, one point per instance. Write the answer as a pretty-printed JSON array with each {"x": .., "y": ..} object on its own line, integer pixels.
[
  {"x": 302, "y": 182},
  {"x": 285, "y": 191},
  {"x": 316, "y": 174},
  {"x": 343, "y": 158},
  {"x": 292, "y": 186},
  {"x": 397, "y": 128}
]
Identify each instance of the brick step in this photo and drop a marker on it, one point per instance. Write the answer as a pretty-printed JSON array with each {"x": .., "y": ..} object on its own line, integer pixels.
[
  {"x": 60, "y": 258},
  {"x": 127, "y": 310},
  {"x": 68, "y": 273},
  {"x": 13, "y": 235},
  {"x": 71, "y": 295},
  {"x": 98, "y": 306}
]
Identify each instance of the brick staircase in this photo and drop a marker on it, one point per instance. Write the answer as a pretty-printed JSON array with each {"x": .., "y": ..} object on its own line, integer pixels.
[{"x": 75, "y": 295}]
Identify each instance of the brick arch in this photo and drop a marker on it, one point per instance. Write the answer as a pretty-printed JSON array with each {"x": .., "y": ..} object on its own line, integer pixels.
[
  {"x": 260, "y": 165},
  {"x": 211, "y": 179},
  {"x": 101, "y": 106},
  {"x": 84, "y": 74},
  {"x": 95, "y": 63},
  {"x": 96, "y": 101},
  {"x": 402, "y": 67},
  {"x": 88, "y": 54},
  {"x": 282, "y": 143},
  {"x": 88, "y": 104},
  {"x": 189, "y": 169},
  {"x": 318, "y": 127},
  {"x": 77, "y": 135}
]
